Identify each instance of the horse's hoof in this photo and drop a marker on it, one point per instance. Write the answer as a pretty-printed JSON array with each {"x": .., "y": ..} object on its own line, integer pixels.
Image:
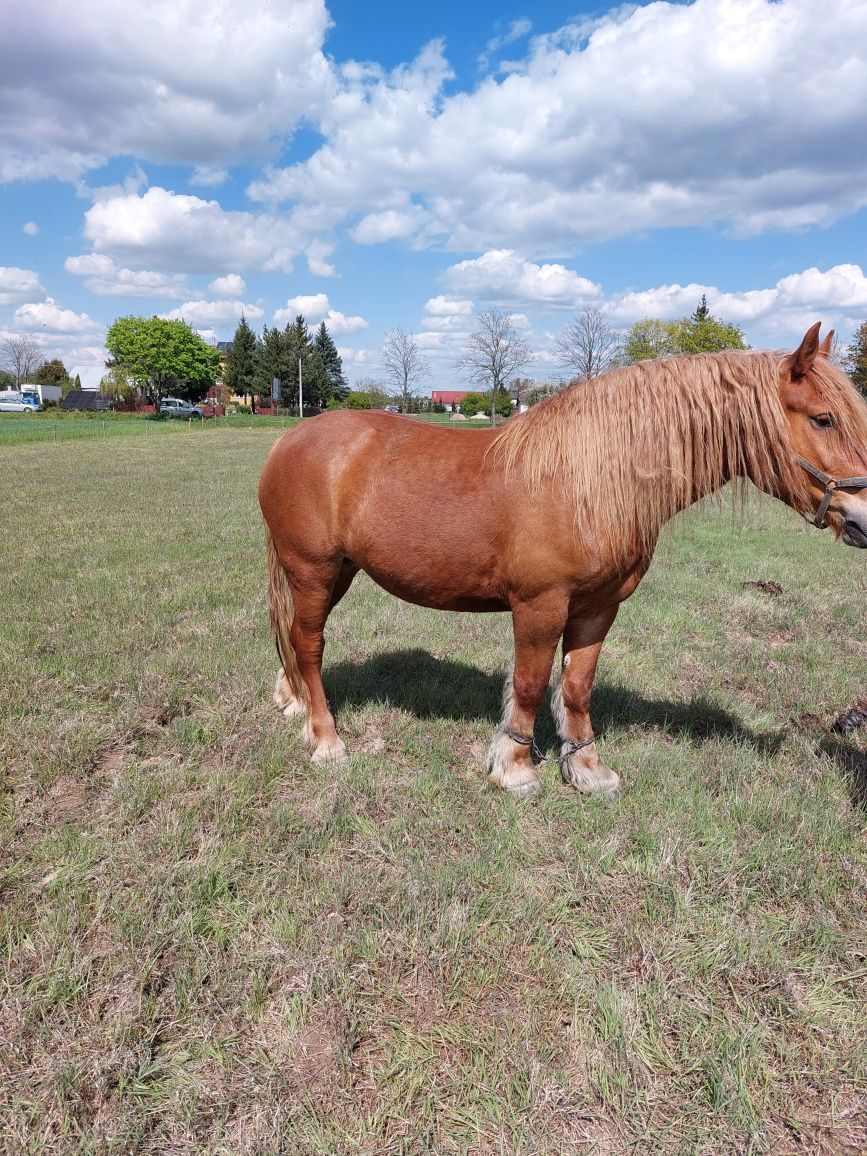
[
  {"x": 528, "y": 790},
  {"x": 330, "y": 752},
  {"x": 601, "y": 780}
]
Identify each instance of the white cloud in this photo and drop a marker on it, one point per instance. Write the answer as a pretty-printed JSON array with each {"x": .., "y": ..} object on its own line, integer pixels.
[
  {"x": 318, "y": 253},
  {"x": 48, "y": 315},
  {"x": 206, "y": 85},
  {"x": 389, "y": 225},
  {"x": 315, "y": 308},
  {"x": 208, "y": 178},
  {"x": 185, "y": 233},
  {"x": 795, "y": 300},
  {"x": 232, "y": 285},
  {"x": 105, "y": 279},
  {"x": 214, "y": 313},
  {"x": 734, "y": 111},
  {"x": 30, "y": 228},
  {"x": 502, "y": 275},
  {"x": 18, "y": 284}
]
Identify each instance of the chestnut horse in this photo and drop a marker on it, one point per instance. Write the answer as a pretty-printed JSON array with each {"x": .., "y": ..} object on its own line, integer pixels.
[{"x": 553, "y": 517}]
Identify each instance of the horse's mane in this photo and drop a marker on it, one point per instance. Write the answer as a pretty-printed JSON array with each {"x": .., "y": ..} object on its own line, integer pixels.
[{"x": 636, "y": 445}]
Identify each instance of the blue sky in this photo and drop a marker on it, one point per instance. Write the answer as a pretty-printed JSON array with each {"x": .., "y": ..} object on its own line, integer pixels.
[{"x": 379, "y": 166}]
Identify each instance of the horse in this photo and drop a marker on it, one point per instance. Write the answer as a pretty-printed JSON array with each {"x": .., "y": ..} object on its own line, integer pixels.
[{"x": 553, "y": 516}]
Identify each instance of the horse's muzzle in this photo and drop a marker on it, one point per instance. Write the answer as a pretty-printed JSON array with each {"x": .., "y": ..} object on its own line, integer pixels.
[{"x": 854, "y": 534}]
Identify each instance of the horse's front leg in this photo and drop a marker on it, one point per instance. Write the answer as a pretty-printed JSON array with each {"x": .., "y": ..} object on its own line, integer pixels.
[
  {"x": 580, "y": 764},
  {"x": 537, "y": 631}
]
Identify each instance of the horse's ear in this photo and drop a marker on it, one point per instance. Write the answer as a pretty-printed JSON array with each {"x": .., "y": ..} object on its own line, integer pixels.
[
  {"x": 825, "y": 347},
  {"x": 805, "y": 354}
]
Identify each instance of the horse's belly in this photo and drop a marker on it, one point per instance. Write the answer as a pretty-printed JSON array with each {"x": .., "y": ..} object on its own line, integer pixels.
[{"x": 436, "y": 597}]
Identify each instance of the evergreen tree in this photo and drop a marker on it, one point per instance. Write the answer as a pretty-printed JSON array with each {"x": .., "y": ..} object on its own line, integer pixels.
[
  {"x": 276, "y": 362},
  {"x": 702, "y": 310},
  {"x": 333, "y": 363},
  {"x": 243, "y": 371},
  {"x": 855, "y": 362}
]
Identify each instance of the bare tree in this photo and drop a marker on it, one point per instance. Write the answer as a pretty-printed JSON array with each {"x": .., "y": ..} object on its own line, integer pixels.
[
  {"x": 21, "y": 356},
  {"x": 404, "y": 364},
  {"x": 494, "y": 353},
  {"x": 588, "y": 345}
]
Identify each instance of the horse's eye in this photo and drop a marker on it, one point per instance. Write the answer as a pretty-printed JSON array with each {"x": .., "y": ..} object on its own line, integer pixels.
[{"x": 823, "y": 421}]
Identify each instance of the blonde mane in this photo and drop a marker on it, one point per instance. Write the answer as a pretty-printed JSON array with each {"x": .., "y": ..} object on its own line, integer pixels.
[{"x": 638, "y": 444}]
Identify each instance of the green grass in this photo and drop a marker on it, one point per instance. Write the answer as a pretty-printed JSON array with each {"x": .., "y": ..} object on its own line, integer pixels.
[{"x": 210, "y": 945}]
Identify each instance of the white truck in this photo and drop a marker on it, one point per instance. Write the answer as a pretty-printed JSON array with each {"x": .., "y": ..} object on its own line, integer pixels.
[{"x": 43, "y": 392}]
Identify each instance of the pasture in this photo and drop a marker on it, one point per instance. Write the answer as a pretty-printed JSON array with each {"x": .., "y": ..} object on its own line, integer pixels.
[{"x": 211, "y": 945}]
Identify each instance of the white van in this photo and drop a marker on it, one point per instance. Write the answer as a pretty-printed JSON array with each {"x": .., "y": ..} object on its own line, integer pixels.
[{"x": 13, "y": 401}]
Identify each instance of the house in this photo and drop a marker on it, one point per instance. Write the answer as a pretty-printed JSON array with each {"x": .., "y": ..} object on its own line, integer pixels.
[
  {"x": 90, "y": 376},
  {"x": 448, "y": 397}
]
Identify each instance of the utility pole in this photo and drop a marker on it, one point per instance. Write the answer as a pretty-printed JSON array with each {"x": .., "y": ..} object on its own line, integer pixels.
[{"x": 300, "y": 391}]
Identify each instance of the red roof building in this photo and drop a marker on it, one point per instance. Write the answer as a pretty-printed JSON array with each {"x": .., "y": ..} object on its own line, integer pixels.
[{"x": 449, "y": 396}]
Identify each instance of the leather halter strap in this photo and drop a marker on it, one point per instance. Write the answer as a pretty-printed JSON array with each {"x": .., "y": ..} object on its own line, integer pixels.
[{"x": 831, "y": 485}]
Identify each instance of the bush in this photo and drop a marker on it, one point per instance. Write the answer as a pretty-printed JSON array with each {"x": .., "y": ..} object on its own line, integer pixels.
[
  {"x": 239, "y": 407},
  {"x": 358, "y": 399}
]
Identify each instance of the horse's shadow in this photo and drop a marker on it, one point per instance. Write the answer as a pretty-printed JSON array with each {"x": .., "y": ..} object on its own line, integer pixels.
[
  {"x": 853, "y": 764},
  {"x": 428, "y": 687}
]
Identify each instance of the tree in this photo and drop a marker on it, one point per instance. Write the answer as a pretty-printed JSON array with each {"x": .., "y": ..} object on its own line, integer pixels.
[
  {"x": 699, "y": 333},
  {"x": 244, "y": 363},
  {"x": 161, "y": 355},
  {"x": 51, "y": 373},
  {"x": 21, "y": 356},
  {"x": 404, "y": 364},
  {"x": 494, "y": 353},
  {"x": 357, "y": 399},
  {"x": 116, "y": 384},
  {"x": 855, "y": 362},
  {"x": 7, "y": 381},
  {"x": 474, "y": 403},
  {"x": 332, "y": 362},
  {"x": 375, "y": 390},
  {"x": 647, "y": 339},
  {"x": 588, "y": 345}
]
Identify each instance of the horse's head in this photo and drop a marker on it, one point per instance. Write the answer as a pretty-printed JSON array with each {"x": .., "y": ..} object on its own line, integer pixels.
[{"x": 828, "y": 429}]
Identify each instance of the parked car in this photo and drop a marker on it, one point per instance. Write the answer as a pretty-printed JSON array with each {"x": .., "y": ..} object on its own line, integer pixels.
[
  {"x": 177, "y": 407},
  {"x": 13, "y": 401}
]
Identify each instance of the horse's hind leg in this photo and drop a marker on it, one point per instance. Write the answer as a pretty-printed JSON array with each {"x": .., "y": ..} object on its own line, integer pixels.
[
  {"x": 315, "y": 594},
  {"x": 580, "y": 765},
  {"x": 287, "y": 702}
]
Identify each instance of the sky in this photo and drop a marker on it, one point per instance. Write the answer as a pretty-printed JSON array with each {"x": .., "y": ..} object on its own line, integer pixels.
[{"x": 382, "y": 166}]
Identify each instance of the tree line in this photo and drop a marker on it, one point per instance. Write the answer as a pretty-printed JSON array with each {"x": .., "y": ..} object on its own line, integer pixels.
[{"x": 157, "y": 357}]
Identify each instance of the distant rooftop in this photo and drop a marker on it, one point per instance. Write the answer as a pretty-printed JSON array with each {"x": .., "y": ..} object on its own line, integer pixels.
[{"x": 89, "y": 375}]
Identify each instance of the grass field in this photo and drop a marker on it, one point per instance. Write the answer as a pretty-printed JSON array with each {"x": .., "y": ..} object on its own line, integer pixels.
[{"x": 208, "y": 945}]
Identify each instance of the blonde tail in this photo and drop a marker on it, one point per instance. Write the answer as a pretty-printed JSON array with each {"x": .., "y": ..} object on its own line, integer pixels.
[{"x": 290, "y": 693}]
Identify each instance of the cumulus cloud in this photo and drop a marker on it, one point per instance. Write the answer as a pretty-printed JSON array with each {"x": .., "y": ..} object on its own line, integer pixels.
[
  {"x": 838, "y": 294},
  {"x": 48, "y": 315},
  {"x": 657, "y": 115},
  {"x": 190, "y": 84},
  {"x": 232, "y": 285},
  {"x": 105, "y": 279},
  {"x": 185, "y": 233},
  {"x": 314, "y": 308},
  {"x": 214, "y": 314},
  {"x": 30, "y": 228},
  {"x": 18, "y": 285},
  {"x": 502, "y": 275}
]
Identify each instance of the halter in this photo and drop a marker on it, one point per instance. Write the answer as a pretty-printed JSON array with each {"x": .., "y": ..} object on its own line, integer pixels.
[{"x": 831, "y": 485}]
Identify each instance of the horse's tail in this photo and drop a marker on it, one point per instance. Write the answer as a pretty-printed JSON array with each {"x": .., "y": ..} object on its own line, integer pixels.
[{"x": 281, "y": 611}]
